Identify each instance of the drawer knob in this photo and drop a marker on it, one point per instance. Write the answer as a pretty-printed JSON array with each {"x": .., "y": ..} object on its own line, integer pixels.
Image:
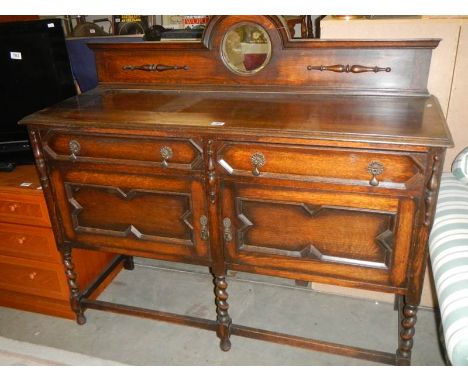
[
  {"x": 21, "y": 239},
  {"x": 13, "y": 207},
  {"x": 258, "y": 160},
  {"x": 227, "y": 230},
  {"x": 375, "y": 168},
  {"x": 75, "y": 148},
  {"x": 204, "y": 228},
  {"x": 166, "y": 154},
  {"x": 32, "y": 275}
]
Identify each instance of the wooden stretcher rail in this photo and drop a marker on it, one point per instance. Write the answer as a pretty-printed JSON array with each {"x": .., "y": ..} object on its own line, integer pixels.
[{"x": 245, "y": 331}]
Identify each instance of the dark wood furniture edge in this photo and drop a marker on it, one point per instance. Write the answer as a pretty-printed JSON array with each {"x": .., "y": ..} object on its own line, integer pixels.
[
  {"x": 317, "y": 44},
  {"x": 40, "y": 122},
  {"x": 265, "y": 89}
]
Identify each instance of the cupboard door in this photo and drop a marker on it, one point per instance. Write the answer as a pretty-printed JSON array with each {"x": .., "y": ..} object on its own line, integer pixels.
[
  {"x": 350, "y": 237},
  {"x": 151, "y": 216}
]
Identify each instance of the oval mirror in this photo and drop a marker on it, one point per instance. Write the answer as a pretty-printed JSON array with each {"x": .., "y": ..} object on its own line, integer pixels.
[{"x": 246, "y": 48}]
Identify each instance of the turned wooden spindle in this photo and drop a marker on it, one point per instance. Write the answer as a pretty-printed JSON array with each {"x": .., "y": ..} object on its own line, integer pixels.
[
  {"x": 222, "y": 306},
  {"x": 407, "y": 322},
  {"x": 73, "y": 285}
]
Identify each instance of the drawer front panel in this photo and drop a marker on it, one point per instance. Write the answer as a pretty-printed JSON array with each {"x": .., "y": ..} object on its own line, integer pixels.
[
  {"x": 28, "y": 242},
  {"x": 359, "y": 238},
  {"x": 23, "y": 209},
  {"x": 165, "y": 152},
  {"x": 393, "y": 169},
  {"x": 136, "y": 213},
  {"x": 33, "y": 277}
]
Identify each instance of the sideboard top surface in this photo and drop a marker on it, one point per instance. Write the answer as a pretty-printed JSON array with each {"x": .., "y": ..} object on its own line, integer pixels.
[{"x": 361, "y": 118}]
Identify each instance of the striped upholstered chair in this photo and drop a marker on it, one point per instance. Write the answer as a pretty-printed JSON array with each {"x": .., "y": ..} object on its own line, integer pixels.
[{"x": 448, "y": 248}]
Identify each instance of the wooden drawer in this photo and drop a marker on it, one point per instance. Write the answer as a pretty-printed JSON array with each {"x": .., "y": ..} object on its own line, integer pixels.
[
  {"x": 24, "y": 209},
  {"x": 35, "y": 243},
  {"x": 349, "y": 166},
  {"x": 33, "y": 277},
  {"x": 100, "y": 148}
]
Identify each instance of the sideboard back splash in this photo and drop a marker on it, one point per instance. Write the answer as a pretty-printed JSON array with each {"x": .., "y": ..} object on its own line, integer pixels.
[{"x": 378, "y": 66}]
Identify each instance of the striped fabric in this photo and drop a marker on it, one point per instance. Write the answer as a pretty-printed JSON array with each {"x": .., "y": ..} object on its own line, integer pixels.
[
  {"x": 460, "y": 166},
  {"x": 448, "y": 248}
]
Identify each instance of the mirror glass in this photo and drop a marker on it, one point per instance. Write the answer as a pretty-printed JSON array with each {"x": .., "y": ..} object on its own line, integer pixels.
[{"x": 246, "y": 48}]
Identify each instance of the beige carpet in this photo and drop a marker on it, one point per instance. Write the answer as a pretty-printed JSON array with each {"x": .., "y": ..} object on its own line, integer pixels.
[{"x": 17, "y": 353}]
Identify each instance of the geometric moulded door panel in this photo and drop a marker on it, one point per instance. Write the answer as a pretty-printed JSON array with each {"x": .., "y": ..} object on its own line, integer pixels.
[
  {"x": 170, "y": 213},
  {"x": 158, "y": 220},
  {"x": 315, "y": 232}
]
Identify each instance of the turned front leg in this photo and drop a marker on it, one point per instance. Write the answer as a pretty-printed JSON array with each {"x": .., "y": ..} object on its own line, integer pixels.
[
  {"x": 407, "y": 321},
  {"x": 223, "y": 319},
  {"x": 73, "y": 286}
]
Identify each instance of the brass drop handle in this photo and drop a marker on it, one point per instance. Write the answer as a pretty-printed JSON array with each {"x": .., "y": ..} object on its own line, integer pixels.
[
  {"x": 21, "y": 239},
  {"x": 166, "y": 154},
  {"x": 375, "y": 168},
  {"x": 204, "y": 228},
  {"x": 258, "y": 160},
  {"x": 12, "y": 207},
  {"x": 32, "y": 275},
  {"x": 75, "y": 149},
  {"x": 227, "y": 230}
]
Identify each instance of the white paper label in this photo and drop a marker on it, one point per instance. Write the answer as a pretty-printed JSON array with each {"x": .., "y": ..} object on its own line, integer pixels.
[
  {"x": 50, "y": 25},
  {"x": 217, "y": 123},
  {"x": 16, "y": 56},
  {"x": 92, "y": 31},
  {"x": 25, "y": 184},
  {"x": 117, "y": 20}
]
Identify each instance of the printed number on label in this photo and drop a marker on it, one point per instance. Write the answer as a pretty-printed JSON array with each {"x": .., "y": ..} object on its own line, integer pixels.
[{"x": 16, "y": 56}]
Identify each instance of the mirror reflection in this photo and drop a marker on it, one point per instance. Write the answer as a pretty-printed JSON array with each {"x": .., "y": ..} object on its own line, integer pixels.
[{"x": 246, "y": 48}]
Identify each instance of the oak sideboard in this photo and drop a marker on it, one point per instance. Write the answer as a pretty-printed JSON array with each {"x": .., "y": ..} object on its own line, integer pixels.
[{"x": 313, "y": 160}]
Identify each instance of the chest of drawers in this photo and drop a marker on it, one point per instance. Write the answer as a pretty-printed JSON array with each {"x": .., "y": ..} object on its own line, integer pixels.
[
  {"x": 31, "y": 267},
  {"x": 300, "y": 169}
]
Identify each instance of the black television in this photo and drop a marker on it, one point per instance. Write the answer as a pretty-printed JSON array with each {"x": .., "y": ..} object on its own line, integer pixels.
[{"x": 34, "y": 73}]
